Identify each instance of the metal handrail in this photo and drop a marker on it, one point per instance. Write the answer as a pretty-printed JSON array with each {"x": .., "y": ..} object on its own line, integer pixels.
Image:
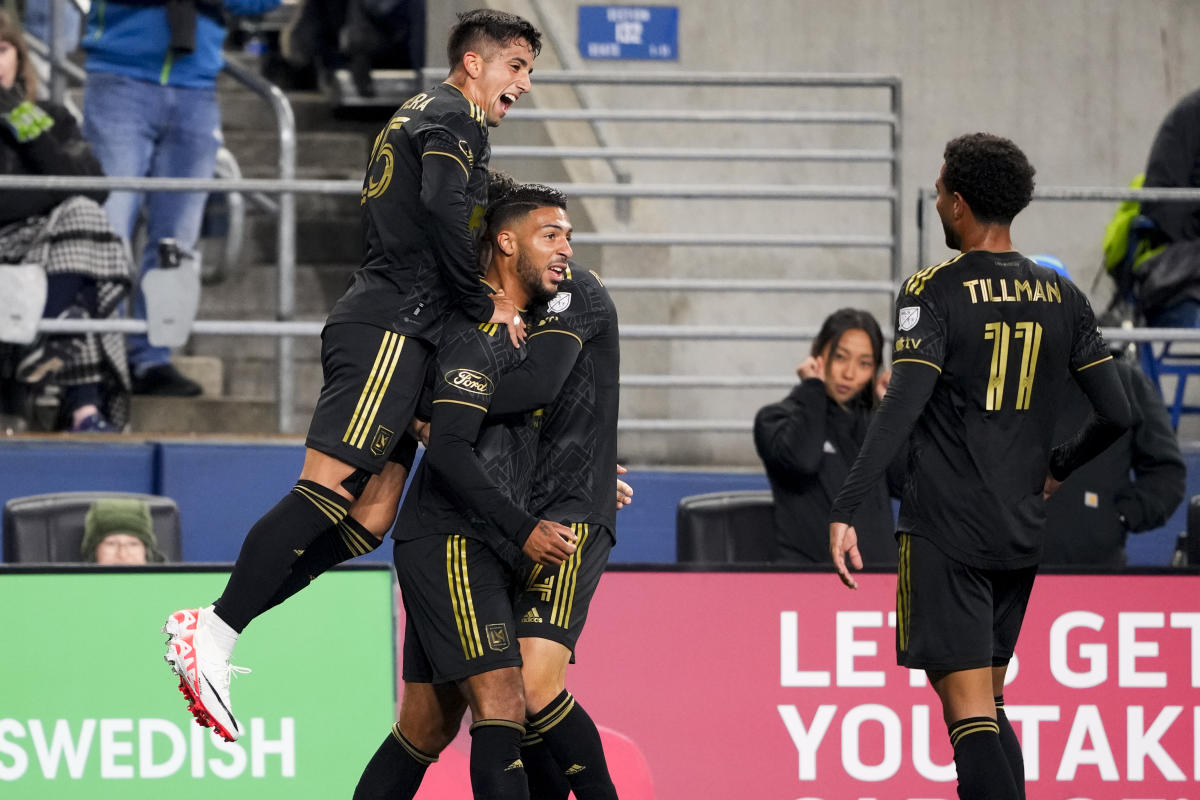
[{"x": 288, "y": 185}]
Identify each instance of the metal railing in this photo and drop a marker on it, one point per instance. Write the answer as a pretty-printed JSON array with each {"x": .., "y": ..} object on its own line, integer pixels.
[
  {"x": 287, "y": 186},
  {"x": 284, "y": 210}
]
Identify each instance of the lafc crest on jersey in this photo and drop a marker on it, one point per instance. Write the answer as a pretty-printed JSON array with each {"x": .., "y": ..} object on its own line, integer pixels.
[{"x": 908, "y": 317}]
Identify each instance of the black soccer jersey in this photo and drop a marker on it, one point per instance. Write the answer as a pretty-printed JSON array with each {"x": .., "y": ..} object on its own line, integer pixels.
[
  {"x": 475, "y": 477},
  {"x": 577, "y": 455},
  {"x": 422, "y": 201},
  {"x": 1003, "y": 331}
]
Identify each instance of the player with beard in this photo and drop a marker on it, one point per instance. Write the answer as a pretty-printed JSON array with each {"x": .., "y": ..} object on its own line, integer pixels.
[
  {"x": 463, "y": 530},
  {"x": 984, "y": 344}
]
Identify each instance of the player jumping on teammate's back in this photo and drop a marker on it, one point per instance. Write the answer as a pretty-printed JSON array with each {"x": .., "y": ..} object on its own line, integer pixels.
[
  {"x": 422, "y": 201},
  {"x": 984, "y": 344}
]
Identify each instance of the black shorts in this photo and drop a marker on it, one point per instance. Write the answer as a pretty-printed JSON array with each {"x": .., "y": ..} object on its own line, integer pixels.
[
  {"x": 373, "y": 379},
  {"x": 950, "y": 616},
  {"x": 553, "y": 603},
  {"x": 458, "y": 607}
]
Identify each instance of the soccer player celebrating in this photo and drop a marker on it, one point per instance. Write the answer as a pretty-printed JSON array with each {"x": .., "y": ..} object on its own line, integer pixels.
[
  {"x": 984, "y": 344},
  {"x": 463, "y": 531},
  {"x": 422, "y": 199}
]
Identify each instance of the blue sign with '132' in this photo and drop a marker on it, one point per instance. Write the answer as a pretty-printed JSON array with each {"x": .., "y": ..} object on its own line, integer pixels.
[{"x": 629, "y": 32}]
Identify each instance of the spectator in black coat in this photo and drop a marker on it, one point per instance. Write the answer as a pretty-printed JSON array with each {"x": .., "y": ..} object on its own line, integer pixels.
[{"x": 809, "y": 440}]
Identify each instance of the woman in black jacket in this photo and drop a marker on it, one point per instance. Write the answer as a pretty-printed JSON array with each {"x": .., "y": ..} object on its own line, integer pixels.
[
  {"x": 808, "y": 442},
  {"x": 68, "y": 234}
]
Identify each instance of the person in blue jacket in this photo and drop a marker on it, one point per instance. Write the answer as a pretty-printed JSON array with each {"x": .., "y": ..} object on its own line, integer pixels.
[{"x": 150, "y": 110}]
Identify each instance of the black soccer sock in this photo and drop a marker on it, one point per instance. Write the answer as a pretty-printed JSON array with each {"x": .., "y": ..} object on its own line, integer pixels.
[
  {"x": 272, "y": 547},
  {"x": 1012, "y": 747},
  {"x": 496, "y": 769},
  {"x": 546, "y": 781},
  {"x": 395, "y": 771},
  {"x": 574, "y": 743},
  {"x": 342, "y": 542},
  {"x": 983, "y": 772}
]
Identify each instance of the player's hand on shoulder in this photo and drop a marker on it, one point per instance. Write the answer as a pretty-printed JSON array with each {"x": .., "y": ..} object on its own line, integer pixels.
[
  {"x": 549, "y": 544},
  {"x": 506, "y": 314}
]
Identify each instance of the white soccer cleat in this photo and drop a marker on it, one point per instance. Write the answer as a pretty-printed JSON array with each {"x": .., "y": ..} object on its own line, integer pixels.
[{"x": 202, "y": 670}]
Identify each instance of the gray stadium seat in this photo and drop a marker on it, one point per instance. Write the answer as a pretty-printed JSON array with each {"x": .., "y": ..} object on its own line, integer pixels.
[
  {"x": 48, "y": 528},
  {"x": 726, "y": 527}
]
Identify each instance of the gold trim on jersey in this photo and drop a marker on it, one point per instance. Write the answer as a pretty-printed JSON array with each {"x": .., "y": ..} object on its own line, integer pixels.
[
  {"x": 551, "y": 717},
  {"x": 466, "y": 171},
  {"x": 461, "y": 602},
  {"x": 918, "y": 279},
  {"x": 596, "y": 276},
  {"x": 904, "y": 591},
  {"x": 386, "y": 358},
  {"x": 896, "y": 361},
  {"x": 1094, "y": 363},
  {"x": 558, "y": 330},
  {"x": 490, "y": 328},
  {"x": 326, "y": 506},
  {"x": 461, "y": 403}
]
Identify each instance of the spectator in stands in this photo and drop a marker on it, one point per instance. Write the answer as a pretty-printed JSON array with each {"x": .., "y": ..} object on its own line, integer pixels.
[
  {"x": 150, "y": 109},
  {"x": 118, "y": 530},
  {"x": 1169, "y": 294},
  {"x": 87, "y": 268},
  {"x": 809, "y": 440},
  {"x": 1132, "y": 487},
  {"x": 70, "y": 22},
  {"x": 364, "y": 34}
]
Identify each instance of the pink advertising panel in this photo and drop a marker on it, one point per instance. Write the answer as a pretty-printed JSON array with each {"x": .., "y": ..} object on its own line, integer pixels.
[{"x": 774, "y": 685}]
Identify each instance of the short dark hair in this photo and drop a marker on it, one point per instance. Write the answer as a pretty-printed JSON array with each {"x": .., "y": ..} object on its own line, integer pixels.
[
  {"x": 836, "y": 325},
  {"x": 992, "y": 175},
  {"x": 474, "y": 28},
  {"x": 508, "y": 200}
]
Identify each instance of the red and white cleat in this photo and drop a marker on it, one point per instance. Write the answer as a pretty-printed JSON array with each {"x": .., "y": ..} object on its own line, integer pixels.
[{"x": 203, "y": 671}]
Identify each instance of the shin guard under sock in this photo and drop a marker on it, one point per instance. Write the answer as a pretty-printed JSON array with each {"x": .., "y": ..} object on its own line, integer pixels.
[
  {"x": 574, "y": 743},
  {"x": 983, "y": 772},
  {"x": 1012, "y": 748},
  {"x": 496, "y": 769},
  {"x": 546, "y": 781},
  {"x": 339, "y": 543},
  {"x": 395, "y": 771},
  {"x": 272, "y": 547}
]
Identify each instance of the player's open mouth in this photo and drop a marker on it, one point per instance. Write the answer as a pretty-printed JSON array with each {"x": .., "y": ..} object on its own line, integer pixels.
[
  {"x": 558, "y": 273},
  {"x": 506, "y": 102}
]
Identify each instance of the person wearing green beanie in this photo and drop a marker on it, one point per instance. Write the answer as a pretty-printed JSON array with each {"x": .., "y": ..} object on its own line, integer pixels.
[{"x": 118, "y": 530}]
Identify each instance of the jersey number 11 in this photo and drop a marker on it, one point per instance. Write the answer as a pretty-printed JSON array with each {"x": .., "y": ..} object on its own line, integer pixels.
[{"x": 1000, "y": 333}]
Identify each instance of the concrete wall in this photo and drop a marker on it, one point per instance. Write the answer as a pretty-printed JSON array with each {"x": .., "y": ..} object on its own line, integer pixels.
[{"x": 1080, "y": 84}]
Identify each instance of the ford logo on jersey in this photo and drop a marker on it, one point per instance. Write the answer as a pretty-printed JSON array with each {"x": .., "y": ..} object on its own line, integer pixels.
[{"x": 469, "y": 380}]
